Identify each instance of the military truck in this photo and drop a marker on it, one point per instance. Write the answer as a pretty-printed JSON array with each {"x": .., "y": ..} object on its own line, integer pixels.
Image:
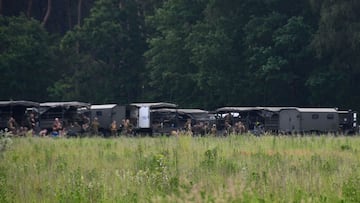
[
  {"x": 348, "y": 122},
  {"x": 16, "y": 109},
  {"x": 67, "y": 112}
]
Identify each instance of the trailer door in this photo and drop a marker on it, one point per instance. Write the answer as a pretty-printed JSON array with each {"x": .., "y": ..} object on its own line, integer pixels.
[
  {"x": 354, "y": 120},
  {"x": 144, "y": 117},
  {"x": 290, "y": 121}
]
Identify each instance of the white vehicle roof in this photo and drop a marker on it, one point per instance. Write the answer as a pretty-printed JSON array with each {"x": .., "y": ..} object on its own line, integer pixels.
[
  {"x": 155, "y": 105},
  {"x": 102, "y": 106}
]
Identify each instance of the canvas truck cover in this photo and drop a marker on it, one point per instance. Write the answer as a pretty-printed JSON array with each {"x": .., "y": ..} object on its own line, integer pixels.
[{"x": 16, "y": 109}]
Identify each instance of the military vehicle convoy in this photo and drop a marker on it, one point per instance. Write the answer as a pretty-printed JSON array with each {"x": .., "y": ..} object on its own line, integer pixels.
[
  {"x": 290, "y": 120},
  {"x": 162, "y": 118}
]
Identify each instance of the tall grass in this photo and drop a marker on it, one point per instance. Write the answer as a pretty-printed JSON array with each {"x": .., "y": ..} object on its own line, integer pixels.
[{"x": 182, "y": 169}]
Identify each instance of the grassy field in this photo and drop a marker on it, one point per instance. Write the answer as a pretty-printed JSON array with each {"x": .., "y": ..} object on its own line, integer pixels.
[{"x": 181, "y": 169}]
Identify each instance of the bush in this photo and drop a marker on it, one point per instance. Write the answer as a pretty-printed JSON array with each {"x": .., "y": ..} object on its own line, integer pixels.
[{"x": 5, "y": 140}]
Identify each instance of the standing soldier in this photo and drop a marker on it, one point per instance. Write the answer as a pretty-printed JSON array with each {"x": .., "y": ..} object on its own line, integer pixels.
[
  {"x": 187, "y": 126},
  {"x": 213, "y": 129},
  {"x": 123, "y": 127},
  {"x": 128, "y": 127},
  {"x": 113, "y": 128},
  {"x": 31, "y": 122},
  {"x": 85, "y": 123},
  {"x": 95, "y": 126},
  {"x": 11, "y": 124},
  {"x": 239, "y": 128},
  {"x": 227, "y": 128},
  {"x": 57, "y": 127},
  {"x": 229, "y": 118}
]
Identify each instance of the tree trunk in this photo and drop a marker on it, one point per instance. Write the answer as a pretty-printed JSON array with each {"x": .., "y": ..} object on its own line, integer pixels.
[
  {"x": 78, "y": 24},
  {"x": 28, "y": 12},
  {"x": 48, "y": 11},
  {"x": 79, "y": 13},
  {"x": 68, "y": 9},
  {"x": 1, "y": 7}
]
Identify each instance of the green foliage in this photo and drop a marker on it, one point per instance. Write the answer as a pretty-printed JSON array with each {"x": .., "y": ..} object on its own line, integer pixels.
[
  {"x": 336, "y": 44},
  {"x": 5, "y": 141},
  {"x": 205, "y": 53},
  {"x": 154, "y": 173},
  {"x": 81, "y": 188},
  {"x": 278, "y": 55},
  {"x": 232, "y": 169},
  {"x": 5, "y": 192},
  {"x": 211, "y": 158},
  {"x": 106, "y": 62},
  {"x": 351, "y": 188},
  {"x": 169, "y": 68},
  {"x": 25, "y": 59},
  {"x": 345, "y": 147}
]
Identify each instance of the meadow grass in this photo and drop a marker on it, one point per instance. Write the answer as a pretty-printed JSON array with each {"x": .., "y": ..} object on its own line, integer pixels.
[{"x": 182, "y": 169}]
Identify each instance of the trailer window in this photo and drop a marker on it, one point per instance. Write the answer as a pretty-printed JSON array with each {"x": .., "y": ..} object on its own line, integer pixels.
[
  {"x": 315, "y": 116},
  {"x": 330, "y": 116},
  {"x": 99, "y": 113}
]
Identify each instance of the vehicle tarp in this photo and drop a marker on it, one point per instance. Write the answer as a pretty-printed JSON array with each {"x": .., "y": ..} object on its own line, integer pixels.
[
  {"x": 66, "y": 105},
  {"x": 19, "y": 103},
  {"x": 244, "y": 109}
]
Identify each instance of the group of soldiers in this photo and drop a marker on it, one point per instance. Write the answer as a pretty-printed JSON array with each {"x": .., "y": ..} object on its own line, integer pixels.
[
  {"x": 204, "y": 128},
  {"x": 73, "y": 129},
  {"x": 126, "y": 128},
  {"x": 92, "y": 127},
  {"x": 27, "y": 127},
  {"x": 200, "y": 128}
]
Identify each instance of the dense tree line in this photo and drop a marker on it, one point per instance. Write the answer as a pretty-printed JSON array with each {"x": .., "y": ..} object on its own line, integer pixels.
[{"x": 197, "y": 53}]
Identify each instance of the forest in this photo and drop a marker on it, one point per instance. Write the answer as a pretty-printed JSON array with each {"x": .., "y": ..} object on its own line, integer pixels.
[{"x": 196, "y": 53}]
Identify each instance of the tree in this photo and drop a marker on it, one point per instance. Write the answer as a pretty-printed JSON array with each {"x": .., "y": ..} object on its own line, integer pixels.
[
  {"x": 337, "y": 44},
  {"x": 29, "y": 8},
  {"x": 47, "y": 14},
  {"x": 112, "y": 41},
  {"x": 172, "y": 77},
  {"x": 279, "y": 57},
  {"x": 25, "y": 59}
]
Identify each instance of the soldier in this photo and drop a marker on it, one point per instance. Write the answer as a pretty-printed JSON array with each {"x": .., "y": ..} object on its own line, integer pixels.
[
  {"x": 199, "y": 129},
  {"x": 239, "y": 128},
  {"x": 31, "y": 122},
  {"x": 85, "y": 124},
  {"x": 258, "y": 129},
  {"x": 122, "y": 127},
  {"x": 57, "y": 127},
  {"x": 187, "y": 126},
  {"x": 113, "y": 128},
  {"x": 213, "y": 129},
  {"x": 128, "y": 127},
  {"x": 229, "y": 118},
  {"x": 95, "y": 126},
  {"x": 206, "y": 128},
  {"x": 11, "y": 124},
  {"x": 43, "y": 133}
]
